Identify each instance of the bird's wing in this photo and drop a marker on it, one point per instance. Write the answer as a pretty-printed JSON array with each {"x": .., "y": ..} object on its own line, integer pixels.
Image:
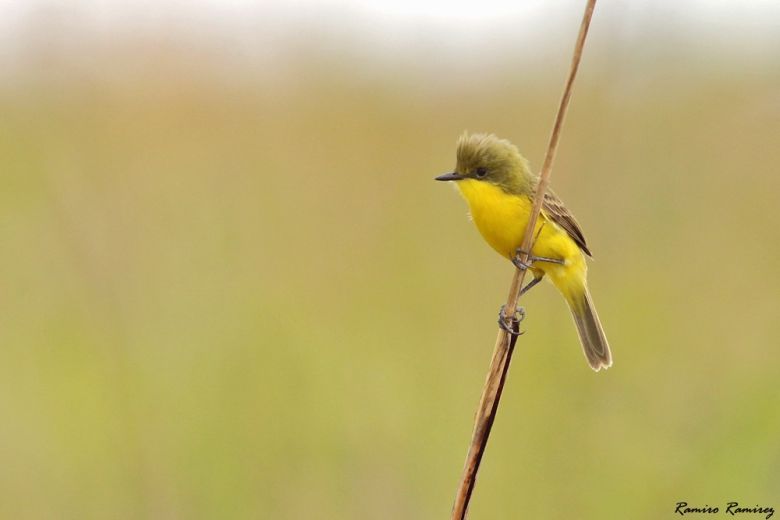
[{"x": 557, "y": 212}]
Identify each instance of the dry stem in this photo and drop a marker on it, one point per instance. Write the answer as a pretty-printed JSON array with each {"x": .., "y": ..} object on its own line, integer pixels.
[{"x": 502, "y": 354}]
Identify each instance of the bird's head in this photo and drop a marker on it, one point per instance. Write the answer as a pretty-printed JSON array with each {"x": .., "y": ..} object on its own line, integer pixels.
[{"x": 486, "y": 158}]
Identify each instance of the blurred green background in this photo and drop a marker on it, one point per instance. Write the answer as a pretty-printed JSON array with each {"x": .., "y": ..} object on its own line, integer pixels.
[{"x": 231, "y": 288}]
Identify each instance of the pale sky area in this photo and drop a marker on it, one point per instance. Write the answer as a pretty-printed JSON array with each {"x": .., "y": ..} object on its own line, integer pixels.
[
  {"x": 265, "y": 28},
  {"x": 454, "y": 16}
]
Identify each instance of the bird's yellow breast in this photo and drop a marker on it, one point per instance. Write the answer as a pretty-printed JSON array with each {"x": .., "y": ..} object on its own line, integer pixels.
[{"x": 501, "y": 219}]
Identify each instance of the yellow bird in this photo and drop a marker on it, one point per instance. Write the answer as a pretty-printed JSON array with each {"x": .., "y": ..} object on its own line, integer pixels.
[{"x": 499, "y": 187}]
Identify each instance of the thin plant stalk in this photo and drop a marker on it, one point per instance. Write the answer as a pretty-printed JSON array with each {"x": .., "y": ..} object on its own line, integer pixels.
[{"x": 502, "y": 353}]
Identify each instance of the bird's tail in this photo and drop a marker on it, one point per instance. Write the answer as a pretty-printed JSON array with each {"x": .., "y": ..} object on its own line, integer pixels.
[{"x": 594, "y": 342}]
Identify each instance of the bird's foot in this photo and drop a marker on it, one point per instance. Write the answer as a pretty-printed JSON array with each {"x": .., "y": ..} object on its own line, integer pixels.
[
  {"x": 531, "y": 260},
  {"x": 511, "y": 325}
]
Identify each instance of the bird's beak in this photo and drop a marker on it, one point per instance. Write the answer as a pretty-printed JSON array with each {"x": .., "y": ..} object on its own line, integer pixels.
[{"x": 450, "y": 177}]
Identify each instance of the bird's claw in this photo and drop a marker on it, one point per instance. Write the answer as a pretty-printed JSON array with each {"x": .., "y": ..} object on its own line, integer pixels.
[
  {"x": 512, "y": 329},
  {"x": 531, "y": 259},
  {"x": 520, "y": 264}
]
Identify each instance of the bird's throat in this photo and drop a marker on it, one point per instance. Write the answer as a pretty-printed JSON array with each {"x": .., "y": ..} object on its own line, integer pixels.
[{"x": 500, "y": 217}]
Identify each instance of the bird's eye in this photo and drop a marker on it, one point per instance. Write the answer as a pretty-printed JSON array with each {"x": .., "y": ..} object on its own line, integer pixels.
[{"x": 481, "y": 172}]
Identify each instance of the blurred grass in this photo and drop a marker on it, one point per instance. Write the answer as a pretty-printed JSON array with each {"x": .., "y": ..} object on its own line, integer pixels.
[{"x": 236, "y": 300}]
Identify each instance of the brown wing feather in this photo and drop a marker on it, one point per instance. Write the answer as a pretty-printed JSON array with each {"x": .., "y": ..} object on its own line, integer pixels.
[{"x": 557, "y": 212}]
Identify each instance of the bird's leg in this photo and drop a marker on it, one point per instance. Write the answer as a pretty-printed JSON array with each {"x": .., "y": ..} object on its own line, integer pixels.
[
  {"x": 532, "y": 259},
  {"x": 531, "y": 284},
  {"x": 511, "y": 327}
]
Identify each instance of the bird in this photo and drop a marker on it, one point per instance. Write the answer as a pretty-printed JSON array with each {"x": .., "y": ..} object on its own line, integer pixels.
[{"x": 499, "y": 186}]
